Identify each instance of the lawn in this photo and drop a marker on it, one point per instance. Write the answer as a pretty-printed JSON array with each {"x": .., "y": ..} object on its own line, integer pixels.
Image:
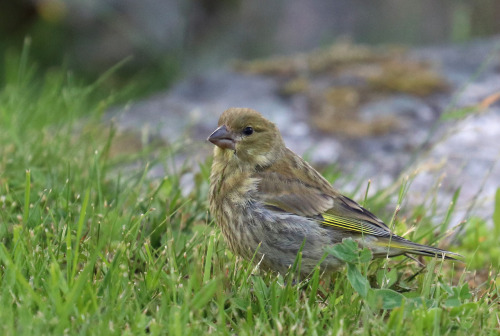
[{"x": 90, "y": 245}]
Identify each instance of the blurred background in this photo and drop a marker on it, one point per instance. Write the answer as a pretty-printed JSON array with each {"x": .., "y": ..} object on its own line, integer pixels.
[
  {"x": 381, "y": 88},
  {"x": 165, "y": 40}
]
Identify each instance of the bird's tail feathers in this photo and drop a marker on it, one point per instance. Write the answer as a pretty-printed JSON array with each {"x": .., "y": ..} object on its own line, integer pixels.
[{"x": 397, "y": 246}]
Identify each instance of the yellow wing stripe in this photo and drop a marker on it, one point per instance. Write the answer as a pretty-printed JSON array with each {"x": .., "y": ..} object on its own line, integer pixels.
[
  {"x": 342, "y": 223},
  {"x": 347, "y": 224},
  {"x": 394, "y": 244}
]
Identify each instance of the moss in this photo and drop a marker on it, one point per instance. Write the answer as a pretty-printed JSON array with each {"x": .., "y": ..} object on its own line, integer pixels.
[
  {"x": 408, "y": 77},
  {"x": 336, "y": 111},
  {"x": 295, "y": 86}
]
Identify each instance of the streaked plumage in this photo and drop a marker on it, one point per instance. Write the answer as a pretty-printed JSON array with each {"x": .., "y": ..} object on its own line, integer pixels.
[{"x": 263, "y": 196}]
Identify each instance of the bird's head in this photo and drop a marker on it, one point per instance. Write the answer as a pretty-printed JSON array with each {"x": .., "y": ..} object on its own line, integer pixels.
[{"x": 246, "y": 135}]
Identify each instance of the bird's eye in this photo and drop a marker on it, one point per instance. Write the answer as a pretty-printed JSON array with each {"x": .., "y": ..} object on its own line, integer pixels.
[{"x": 248, "y": 130}]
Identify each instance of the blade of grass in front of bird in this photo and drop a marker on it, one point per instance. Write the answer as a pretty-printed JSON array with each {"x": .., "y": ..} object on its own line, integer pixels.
[
  {"x": 314, "y": 283},
  {"x": 208, "y": 259}
]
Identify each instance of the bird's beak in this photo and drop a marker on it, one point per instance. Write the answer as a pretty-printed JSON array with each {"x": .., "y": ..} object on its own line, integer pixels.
[{"x": 222, "y": 138}]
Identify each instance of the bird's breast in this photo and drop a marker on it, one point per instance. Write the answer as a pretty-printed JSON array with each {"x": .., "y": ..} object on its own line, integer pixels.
[{"x": 232, "y": 194}]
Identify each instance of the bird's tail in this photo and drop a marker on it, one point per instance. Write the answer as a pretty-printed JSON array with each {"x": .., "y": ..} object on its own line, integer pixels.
[{"x": 396, "y": 245}]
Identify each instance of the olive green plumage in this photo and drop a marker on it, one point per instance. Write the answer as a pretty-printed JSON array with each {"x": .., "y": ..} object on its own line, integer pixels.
[{"x": 266, "y": 198}]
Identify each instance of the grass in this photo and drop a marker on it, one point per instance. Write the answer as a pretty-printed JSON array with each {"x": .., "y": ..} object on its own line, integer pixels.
[{"x": 88, "y": 247}]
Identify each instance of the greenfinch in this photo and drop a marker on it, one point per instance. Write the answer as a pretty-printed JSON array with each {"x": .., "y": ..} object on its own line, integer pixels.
[{"x": 270, "y": 203}]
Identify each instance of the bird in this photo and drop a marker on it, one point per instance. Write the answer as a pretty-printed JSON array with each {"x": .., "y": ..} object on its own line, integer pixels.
[{"x": 270, "y": 204}]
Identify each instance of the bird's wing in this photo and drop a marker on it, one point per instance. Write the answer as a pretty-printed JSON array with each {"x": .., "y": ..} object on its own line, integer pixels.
[
  {"x": 293, "y": 195},
  {"x": 307, "y": 196},
  {"x": 349, "y": 215}
]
